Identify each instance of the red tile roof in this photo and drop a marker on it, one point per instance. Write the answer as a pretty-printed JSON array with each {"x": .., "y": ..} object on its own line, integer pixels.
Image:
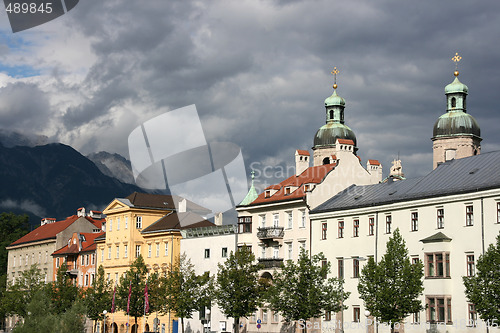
[
  {"x": 373, "y": 162},
  {"x": 49, "y": 231},
  {"x": 303, "y": 152},
  {"x": 346, "y": 141},
  {"x": 273, "y": 187},
  {"x": 334, "y": 157},
  {"x": 314, "y": 174},
  {"x": 87, "y": 245}
]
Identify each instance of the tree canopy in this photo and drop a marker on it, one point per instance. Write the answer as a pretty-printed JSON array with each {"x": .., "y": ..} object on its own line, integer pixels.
[
  {"x": 391, "y": 288},
  {"x": 483, "y": 289},
  {"x": 302, "y": 290}
]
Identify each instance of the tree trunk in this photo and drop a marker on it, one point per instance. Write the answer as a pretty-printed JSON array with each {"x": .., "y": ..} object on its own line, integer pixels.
[
  {"x": 136, "y": 326},
  {"x": 182, "y": 325},
  {"x": 236, "y": 325},
  {"x": 392, "y": 327}
]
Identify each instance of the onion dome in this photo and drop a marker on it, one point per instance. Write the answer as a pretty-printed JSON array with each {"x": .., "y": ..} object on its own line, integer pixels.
[
  {"x": 456, "y": 86},
  {"x": 334, "y": 100},
  {"x": 455, "y": 123},
  {"x": 328, "y": 134}
]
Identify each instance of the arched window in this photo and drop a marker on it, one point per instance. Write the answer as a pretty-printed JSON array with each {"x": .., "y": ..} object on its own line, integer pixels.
[
  {"x": 453, "y": 102},
  {"x": 331, "y": 114},
  {"x": 326, "y": 160}
]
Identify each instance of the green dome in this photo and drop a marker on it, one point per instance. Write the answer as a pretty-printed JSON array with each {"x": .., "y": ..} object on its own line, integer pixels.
[
  {"x": 456, "y": 123},
  {"x": 456, "y": 87},
  {"x": 329, "y": 133},
  {"x": 334, "y": 100}
]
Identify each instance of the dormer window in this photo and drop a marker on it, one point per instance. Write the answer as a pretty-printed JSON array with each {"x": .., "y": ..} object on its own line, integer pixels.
[
  {"x": 287, "y": 190},
  {"x": 267, "y": 194}
]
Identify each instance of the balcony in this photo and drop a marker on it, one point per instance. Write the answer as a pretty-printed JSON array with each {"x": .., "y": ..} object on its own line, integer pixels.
[
  {"x": 271, "y": 262},
  {"x": 270, "y": 233}
]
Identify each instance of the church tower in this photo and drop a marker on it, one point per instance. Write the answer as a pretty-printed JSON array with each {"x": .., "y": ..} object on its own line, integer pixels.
[
  {"x": 334, "y": 136},
  {"x": 456, "y": 133}
]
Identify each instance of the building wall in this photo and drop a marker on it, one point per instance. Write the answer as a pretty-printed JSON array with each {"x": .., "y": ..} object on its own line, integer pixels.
[
  {"x": 465, "y": 240},
  {"x": 195, "y": 249},
  {"x": 464, "y": 146},
  {"x": 36, "y": 253}
]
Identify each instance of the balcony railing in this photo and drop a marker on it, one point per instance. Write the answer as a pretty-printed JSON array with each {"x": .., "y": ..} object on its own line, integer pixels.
[
  {"x": 271, "y": 262},
  {"x": 270, "y": 233}
]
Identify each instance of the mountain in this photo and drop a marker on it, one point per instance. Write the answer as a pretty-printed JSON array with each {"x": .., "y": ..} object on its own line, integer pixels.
[
  {"x": 10, "y": 139},
  {"x": 113, "y": 165},
  {"x": 54, "y": 180}
]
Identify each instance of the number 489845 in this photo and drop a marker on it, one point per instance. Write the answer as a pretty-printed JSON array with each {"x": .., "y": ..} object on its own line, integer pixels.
[{"x": 29, "y": 7}]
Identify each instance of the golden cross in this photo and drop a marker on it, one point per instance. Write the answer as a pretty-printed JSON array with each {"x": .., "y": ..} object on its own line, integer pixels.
[
  {"x": 456, "y": 59},
  {"x": 335, "y": 72}
]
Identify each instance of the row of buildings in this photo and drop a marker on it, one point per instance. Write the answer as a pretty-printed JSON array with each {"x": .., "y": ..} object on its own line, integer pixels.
[{"x": 337, "y": 206}]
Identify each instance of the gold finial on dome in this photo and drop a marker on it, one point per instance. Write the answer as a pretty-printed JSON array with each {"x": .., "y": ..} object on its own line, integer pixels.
[
  {"x": 456, "y": 59},
  {"x": 335, "y": 72}
]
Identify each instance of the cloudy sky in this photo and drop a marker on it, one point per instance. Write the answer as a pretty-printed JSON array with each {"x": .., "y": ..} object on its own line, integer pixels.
[{"x": 257, "y": 70}]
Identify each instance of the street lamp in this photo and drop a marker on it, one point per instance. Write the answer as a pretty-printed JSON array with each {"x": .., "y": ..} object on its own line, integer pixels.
[
  {"x": 367, "y": 314},
  {"x": 104, "y": 321}
]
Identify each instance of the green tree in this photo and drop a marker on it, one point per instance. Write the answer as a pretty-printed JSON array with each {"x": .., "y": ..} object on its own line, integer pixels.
[
  {"x": 98, "y": 297},
  {"x": 135, "y": 278},
  {"x": 20, "y": 294},
  {"x": 301, "y": 290},
  {"x": 63, "y": 293},
  {"x": 185, "y": 292},
  {"x": 391, "y": 288},
  {"x": 483, "y": 289},
  {"x": 237, "y": 289},
  {"x": 12, "y": 227}
]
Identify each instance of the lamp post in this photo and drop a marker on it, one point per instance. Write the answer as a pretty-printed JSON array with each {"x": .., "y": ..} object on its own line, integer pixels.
[
  {"x": 367, "y": 314},
  {"x": 342, "y": 310},
  {"x": 104, "y": 321}
]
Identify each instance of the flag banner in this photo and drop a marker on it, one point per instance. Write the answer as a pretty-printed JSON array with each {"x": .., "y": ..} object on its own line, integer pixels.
[
  {"x": 129, "y": 294},
  {"x": 113, "y": 302},
  {"x": 146, "y": 299}
]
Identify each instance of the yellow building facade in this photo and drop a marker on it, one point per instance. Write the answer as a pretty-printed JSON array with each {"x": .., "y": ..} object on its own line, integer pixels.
[{"x": 147, "y": 225}]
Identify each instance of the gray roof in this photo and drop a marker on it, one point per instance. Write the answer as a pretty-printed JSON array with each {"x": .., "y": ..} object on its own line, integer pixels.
[{"x": 465, "y": 175}]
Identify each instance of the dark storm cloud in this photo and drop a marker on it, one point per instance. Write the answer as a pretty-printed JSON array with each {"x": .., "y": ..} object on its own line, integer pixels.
[{"x": 259, "y": 71}]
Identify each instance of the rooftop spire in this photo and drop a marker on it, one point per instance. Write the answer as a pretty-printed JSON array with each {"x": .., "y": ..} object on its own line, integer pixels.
[
  {"x": 456, "y": 59},
  {"x": 252, "y": 193},
  {"x": 335, "y": 71}
]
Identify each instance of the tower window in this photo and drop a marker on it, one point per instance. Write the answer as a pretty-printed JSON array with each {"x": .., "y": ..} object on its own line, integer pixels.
[
  {"x": 326, "y": 160},
  {"x": 331, "y": 114},
  {"x": 453, "y": 102}
]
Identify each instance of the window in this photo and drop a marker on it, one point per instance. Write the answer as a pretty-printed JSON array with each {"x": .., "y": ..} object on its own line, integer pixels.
[
  {"x": 388, "y": 224},
  {"x": 117, "y": 223},
  {"x": 371, "y": 226},
  {"x": 323, "y": 230},
  {"x": 290, "y": 251},
  {"x": 157, "y": 249},
  {"x": 82, "y": 260},
  {"x": 262, "y": 221},
  {"x": 471, "y": 266},
  {"x": 437, "y": 265},
  {"x": 166, "y": 249},
  {"x": 117, "y": 251},
  {"x": 14, "y": 261},
  {"x": 86, "y": 259},
  {"x": 324, "y": 265},
  {"x": 276, "y": 220},
  {"x": 149, "y": 250},
  {"x": 126, "y": 222},
  {"x": 263, "y": 252},
  {"x": 498, "y": 212},
  {"x": 57, "y": 262},
  {"x": 355, "y": 268},
  {"x": 415, "y": 318},
  {"x": 287, "y": 190},
  {"x": 138, "y": 222},
  {"x": 207, "y": 253},
  {"x": 137, "y": 251},
  {"x": 276, "y": 317},
  {"x": 355, "y": 231},
  {"x": 303, "y": 218},
  {"x": 224, "y": 252},
  {"x": 472, "y": 315},
  {"x": 244, "y": 224},
  {"x": 415, "y": 260},
  {"x": 110, "y": 224},
  {"x": 356, "y": 314},
  {"x": 328, "y": 315},
  {"x": 264, "y": 315},
  {"x": 86, "y": 279},
  {"x": 302, "y": 245},
  {"x": 440, "y": 218},
  {"x": 276, "y": 252},
  {"x": 290, "y": 220},
  {"x": 102, "y": 255},
  {"x": 46, "y": 256},
  {"x": 126, "y": 251},
  {"x": 92, "y": 259},
  {"x": 439, "y": 309},
  {"x": 469, "y": 215},
  {"x": 341, "y": 229},
  {"x": 109, "y": 252},
  {"x": 414, "y": 221}
]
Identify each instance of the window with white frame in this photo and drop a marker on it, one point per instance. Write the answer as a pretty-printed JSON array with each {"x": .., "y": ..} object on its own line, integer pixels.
[
  {"x": 440, "y": 218},
  {"x": 414, "y": 221},
  {"x": 207, "y": 253},
  {"x": 341, "y": 229},
  {"x": 355, "y": 267},
  {"x": 303, "y": 219},
  {"x": 262, "y": 221},
  {"x": 149, "y": 250},
  {"x": 125, "y": 250},
  {"x": 224, "y": 252},
  {"x": 415, "y": 318},
  {"x": 117, "y": 251},
  {"x": 290, "y": 250},
  {"x": 356, "y": 311},
  {"x": 276, "y": 220},
  {"x": 388, "y": 224},
  {"x": 437, "y": 265},
  {"x": 355, "y": 228},
  {"x": 126, "y": 222},
  {"x": 117, "y": 223},
  {"x": 110, "y": 225},
  {"x": 290, "y": 219},
  {"x": 472, "y": 315},
  {"x": 166, "y": 249},
  {"x": 276, "y": 252},
  {"x": 469, "y": 215},
  {"x": 138, "y": 222},
  {"x": 371, "y": 226},
  {"x": 439, "y": 309},
  {"x": 263, "y": 252},
  {"x": 137, "y": 251},
  {"x": 157, "y": 249},
  {"x": 302, "y": 244},
  {"x": 102, "y": 255},
  {"x": 109, "y": 252},
  {"x": 324, "y": 227},
  {"x": 498, "y": 212}
]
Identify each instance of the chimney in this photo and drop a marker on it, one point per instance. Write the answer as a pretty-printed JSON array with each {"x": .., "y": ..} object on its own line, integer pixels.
[
  {"x": 80, "y": 212},
  {"x": 182, "y": 206},
  {"x": 301, "y": 161},
  {"x": 218, "y": 219},
  {"x": 47, "y": 220}
]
